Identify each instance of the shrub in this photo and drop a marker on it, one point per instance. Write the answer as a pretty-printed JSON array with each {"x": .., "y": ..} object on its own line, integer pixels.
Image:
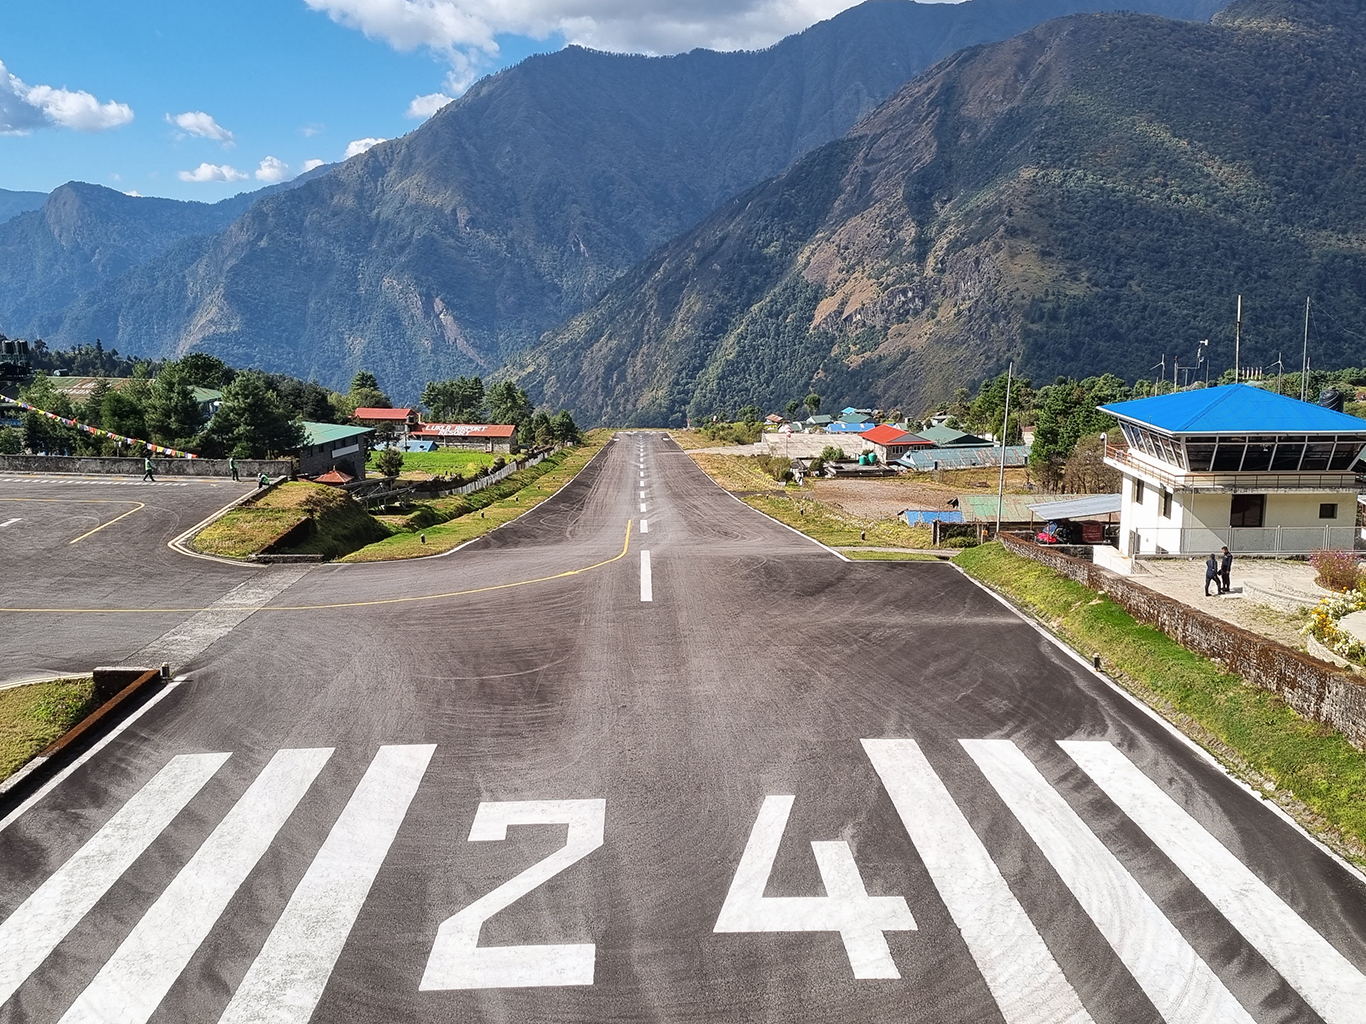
[
  {"x": 1337, "y": 570},
  {"x": 831, "y": 454}
]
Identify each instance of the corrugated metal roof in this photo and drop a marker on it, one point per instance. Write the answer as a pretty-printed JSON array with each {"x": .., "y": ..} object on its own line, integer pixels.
[
  {"x": 924, "y": 459},
  {"x": 370, "y": 412},
  {"x": 1234, "y": 409},
  {"x": 1076, "y": 508},
  {"x": 325, "y": 433},
  {"x": 919, "y": 517},
  {"x": 947, "y": 436},
  {"x": 888, "y": 434}
]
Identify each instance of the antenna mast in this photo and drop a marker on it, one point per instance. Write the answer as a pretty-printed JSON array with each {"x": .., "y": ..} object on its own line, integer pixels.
[
  {"x": 1237, "y": 339},
  {"x": 1304, "y": 357}
]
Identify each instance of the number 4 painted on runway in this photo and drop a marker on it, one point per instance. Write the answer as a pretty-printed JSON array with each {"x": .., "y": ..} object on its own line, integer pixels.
[
  {"x": 846, "y": 908},
  {"x": 458, "y": 962}
]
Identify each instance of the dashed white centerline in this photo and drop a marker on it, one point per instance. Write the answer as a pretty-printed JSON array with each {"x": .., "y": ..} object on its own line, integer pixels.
[
  {"x": 645, "y": 526},
  {"x": 642, "y": 494},
  {"x": 642, "y": 506},
  {"x": 646, "y": 585}
]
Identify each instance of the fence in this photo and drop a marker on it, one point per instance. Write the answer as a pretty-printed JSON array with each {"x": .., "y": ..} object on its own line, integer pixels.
[
  {"x": 488, "y": 480},
  {"x": 1315, "y": 689},
  {"x": 1155, "y": 541}
]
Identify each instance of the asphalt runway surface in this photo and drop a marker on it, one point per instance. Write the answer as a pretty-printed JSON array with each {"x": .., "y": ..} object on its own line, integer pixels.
[{"x": 646, "y": 755}]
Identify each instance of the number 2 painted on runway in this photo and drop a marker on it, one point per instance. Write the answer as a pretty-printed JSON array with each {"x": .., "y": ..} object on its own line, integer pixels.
[{"x": 458, "y": 962}]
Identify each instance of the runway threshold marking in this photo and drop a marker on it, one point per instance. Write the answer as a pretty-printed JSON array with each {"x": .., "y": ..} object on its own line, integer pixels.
[{"x": 626, "y": 546}]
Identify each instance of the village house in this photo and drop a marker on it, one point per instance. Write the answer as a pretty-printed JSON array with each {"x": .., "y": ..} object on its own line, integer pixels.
[
  {"x": 891, "y": 443},
  {"x": 1234, "y": 466},
  {"x": 334, "y": 446}
]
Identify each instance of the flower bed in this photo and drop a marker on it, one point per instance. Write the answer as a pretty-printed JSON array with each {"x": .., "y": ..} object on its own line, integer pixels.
[{"x": 1323, "y": 625}]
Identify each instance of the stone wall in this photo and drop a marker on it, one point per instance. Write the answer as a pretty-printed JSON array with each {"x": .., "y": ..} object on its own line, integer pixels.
[
  {"x": 247, "y": 469},
  {"x": 1316, "y": 689}
]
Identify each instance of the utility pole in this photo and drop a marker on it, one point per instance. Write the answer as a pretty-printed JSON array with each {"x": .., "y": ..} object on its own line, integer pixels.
[
  {"x": 1161, "y": 377},
  {"x": 1304, "y": 357},
  {"x": 1005, "y": 422},
  {"x": 1237, "y": 339}
]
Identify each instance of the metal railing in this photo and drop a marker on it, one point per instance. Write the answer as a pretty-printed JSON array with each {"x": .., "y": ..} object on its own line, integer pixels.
[
  {"x": 1185, "y": 541},
  {"x": 1123, "y": 458}
]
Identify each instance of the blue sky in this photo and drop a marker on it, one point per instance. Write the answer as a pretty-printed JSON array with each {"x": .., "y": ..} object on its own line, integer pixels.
[{"x": 196, "y": 100}]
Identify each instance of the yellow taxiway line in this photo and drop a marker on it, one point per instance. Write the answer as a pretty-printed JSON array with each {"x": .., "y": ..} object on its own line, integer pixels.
[
  {"x": 138, "y": 507},
  {"x": 626, "y": 546}
]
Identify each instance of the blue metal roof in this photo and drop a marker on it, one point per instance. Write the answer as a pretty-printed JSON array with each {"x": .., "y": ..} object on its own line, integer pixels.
[
  {"x": 919, "y": 517},
  {"x": 1234, "y": 409},
  {"x": 841, "y": 427}
]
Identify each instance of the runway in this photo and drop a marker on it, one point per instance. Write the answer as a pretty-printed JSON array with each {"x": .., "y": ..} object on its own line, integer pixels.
[{"x": 641, "y": 755}]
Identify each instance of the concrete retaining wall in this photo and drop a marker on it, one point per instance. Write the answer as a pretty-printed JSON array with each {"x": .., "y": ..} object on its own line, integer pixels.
[
  {"x": 247, "y": 469},
  {"x": 1317, "y": 690}
]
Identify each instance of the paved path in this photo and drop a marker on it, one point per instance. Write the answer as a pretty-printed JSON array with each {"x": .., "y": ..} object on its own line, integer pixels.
[{"x": 646, "y": 755}]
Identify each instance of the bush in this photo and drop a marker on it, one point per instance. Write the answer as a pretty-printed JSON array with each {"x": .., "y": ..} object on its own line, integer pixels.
[
  {"x": 776, "y": 466},
  {"x": 390, "y": 462},
  {"x": 831, "y": 454},
  {"x": 1337, "y": 570}
]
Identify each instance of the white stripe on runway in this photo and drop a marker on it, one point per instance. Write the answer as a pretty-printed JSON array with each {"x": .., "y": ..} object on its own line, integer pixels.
[
  {"x": 11, "y": 522},
  {"x": 132, "y": 982},
  {"x": 42, "y": 920},
  {"x": 285, "y": 982},
  {"x": 646, "y": 585},
  {"x": 642, "y": 494},
  {"x": 645, "y": 526},
  {"x": 1024, "y": 979},
  {"x": 1170, "y": 973},
  {"x": 642, "y": 506},
  {"x": 1323, "y": 976}
]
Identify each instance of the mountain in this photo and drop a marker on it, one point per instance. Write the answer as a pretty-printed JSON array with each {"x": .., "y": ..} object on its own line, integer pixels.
[
  {"x": 452, "y": 249},
  {"x": 14, "y": 203},
  {"x": 58, "y": 246},
  {"x": 1091, "y": 195}
]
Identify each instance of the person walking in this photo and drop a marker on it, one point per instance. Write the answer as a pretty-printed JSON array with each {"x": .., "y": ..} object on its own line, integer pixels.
[
  {"x": 1211, "y": 575},
  {"x": 232, "y": 466},
  {"x": 147, "y": 470},
  {"x": 1225, "y": 567}
]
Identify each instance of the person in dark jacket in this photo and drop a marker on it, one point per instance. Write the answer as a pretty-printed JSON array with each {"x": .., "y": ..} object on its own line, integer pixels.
[
  {"x": 1211, "y": 575},
  {"x": 1225, "y": 567}
]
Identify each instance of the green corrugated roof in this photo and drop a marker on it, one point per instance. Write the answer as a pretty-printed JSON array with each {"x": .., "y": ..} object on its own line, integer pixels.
[
  {"x": 1015, "y": 508},
  {"x": 202, "y": 395},
  {"x": 322, "y": 433}
]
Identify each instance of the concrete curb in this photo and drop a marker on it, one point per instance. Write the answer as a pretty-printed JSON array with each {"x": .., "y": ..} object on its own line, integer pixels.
[
  {"x": 180, "y": 543},
  {"x": 77, "y": 738}
]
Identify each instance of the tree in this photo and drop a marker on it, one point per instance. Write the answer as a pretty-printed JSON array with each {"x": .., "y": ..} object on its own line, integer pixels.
[
  {"x": 812, "y": 403},
  {"x": 751, "y": 414},
  {"x": 508, "y": 403},
  {"x": 792, "y": 408},
  {"x": 252, "y": 422},
  {"x": 122, "y": 413},
  {"x": 365, "y": 392},
  {"x": 563, "y": 428},
  {"x": 390, "y": 461},
  {"x": 11, "y": 441},
  {"x": 460, "y": 400},
  {"x": 539, "y": 431},
  {"x": 1086, "y": 472},
  {"x": 201, "y": 370},
  {"x": 173, "y": 415}
]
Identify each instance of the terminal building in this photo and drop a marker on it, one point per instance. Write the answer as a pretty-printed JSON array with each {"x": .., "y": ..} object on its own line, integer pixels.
[{"x": 1234, "y": 466}]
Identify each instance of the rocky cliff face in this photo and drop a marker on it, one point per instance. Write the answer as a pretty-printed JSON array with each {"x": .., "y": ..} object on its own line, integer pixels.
[{"x": 1084, "y": 197}]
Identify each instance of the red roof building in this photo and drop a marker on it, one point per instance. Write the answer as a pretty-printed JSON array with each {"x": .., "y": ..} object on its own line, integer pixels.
[
  {"x": 494, "y": 437},
  {"x": 394, "y": 419},
  {"x": 891, "y": 442}
]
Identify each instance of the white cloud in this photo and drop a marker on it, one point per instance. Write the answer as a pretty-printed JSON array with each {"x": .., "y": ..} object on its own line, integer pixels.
[
  {"x": 311, "y": 164},
  {"x": 24, "y": 108},
  {"x": 424, "y": 107},
  {"x": 272, "y": 170},
  {"x": 134, "y": 193},
  {"x": 212, "y": 172},
  {"x": 196, "y": 122},
  {"x": 310, "y": 130},
  {"x": 465, "y": 32},
  {"x": 360, "y": 146}
]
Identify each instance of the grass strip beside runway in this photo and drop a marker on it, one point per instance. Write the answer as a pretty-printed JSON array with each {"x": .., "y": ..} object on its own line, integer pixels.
[
  {"x": 1308, "y": 768},
  {"x": 449, "y": 522},
  {"x": 838, "y": 529},
  {"x": 32, "y": 717}
]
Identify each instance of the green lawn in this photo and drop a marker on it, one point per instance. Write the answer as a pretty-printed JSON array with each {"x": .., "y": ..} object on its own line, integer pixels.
[
  {"x": 1307, "y": 767},
  {"x": 440, "y": 463},
  {"x": 32, "y": 717},
  {"x": 838, "y": 529}
]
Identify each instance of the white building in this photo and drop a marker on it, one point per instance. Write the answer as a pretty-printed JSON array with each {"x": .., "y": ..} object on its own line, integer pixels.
[{"x": 1237, "y": 466}]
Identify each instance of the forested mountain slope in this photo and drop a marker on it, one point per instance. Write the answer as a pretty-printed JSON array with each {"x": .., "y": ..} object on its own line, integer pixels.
[
  {"x": 455, "y": 247},
  {"x": 1084, "y": 197}
]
